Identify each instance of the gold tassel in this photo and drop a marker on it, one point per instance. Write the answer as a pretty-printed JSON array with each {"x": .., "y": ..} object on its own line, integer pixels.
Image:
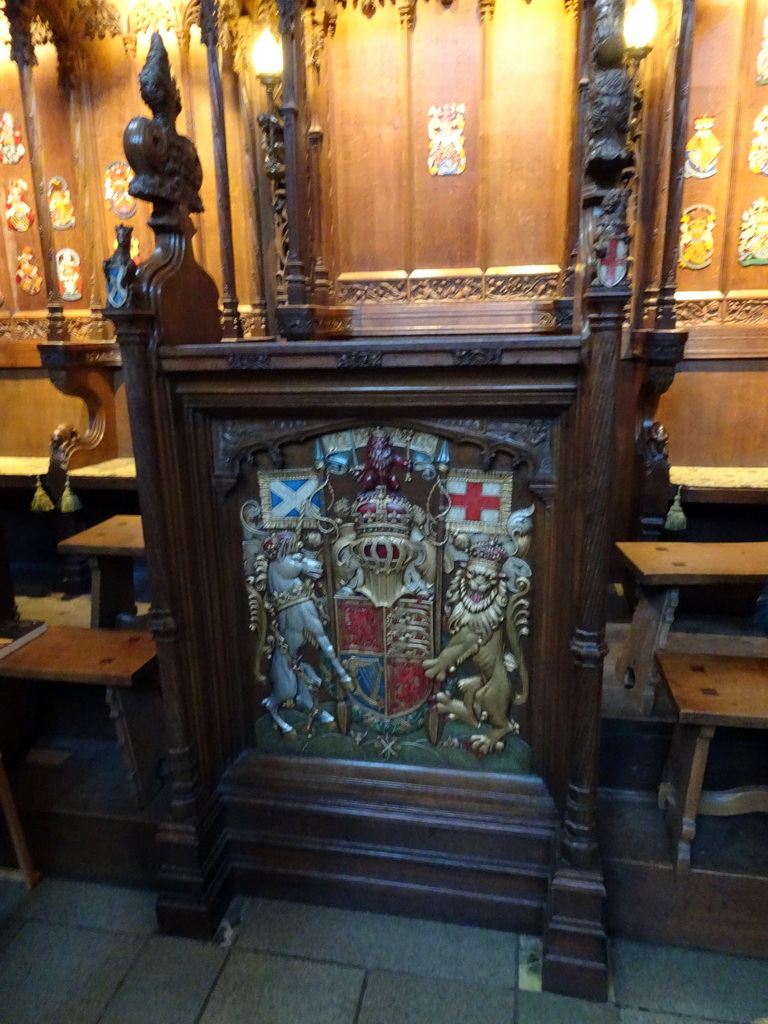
[
  {"x": 40, "y": 501},
  {"x": 69, "y": 500},
  {"x": 676, "y": 517}
]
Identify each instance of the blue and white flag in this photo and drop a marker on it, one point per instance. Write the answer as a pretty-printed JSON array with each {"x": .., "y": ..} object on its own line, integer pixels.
[{"x": 287, "y": 495}]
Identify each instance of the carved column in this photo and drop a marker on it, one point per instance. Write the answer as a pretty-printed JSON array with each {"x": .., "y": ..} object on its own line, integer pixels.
[
  {"x": 231, "y": 323},
  {"x": 665, "y": 308},
  {"x": 23, "y": 55},
  {"x": 321, "y": 285},
  {"x": 154, "y": 311},
  {"x": 566, "y": 315},
  {"x": 290, "y": 25},
  {"x": 577, "y": 891}
]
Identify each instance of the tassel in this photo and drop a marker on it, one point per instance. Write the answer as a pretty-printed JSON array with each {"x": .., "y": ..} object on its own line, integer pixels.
[
  {"x": 69, "y": 500},
  {"x": 676, "y": 519},
  {"x": 40, "y": 501}
]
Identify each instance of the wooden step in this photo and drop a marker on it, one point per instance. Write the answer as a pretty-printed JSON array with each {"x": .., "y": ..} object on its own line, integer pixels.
[{"x": 98, "y": 657}]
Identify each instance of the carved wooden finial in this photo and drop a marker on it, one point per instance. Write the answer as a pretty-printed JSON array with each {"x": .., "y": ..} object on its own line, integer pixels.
[
  {"x": 158, "y": 86},
  {"x": 166, "y": 164}
]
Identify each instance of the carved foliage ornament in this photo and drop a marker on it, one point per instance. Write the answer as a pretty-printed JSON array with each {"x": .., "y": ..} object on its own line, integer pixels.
[{"x": 166, "y": 164}]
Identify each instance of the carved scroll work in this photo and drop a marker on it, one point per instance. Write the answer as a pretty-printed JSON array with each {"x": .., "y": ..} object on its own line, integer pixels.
[{"x": 388, "y": 595}]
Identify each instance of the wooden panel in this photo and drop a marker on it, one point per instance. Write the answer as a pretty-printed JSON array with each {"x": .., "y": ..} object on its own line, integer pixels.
[
  {"x": 369, "y": 127},
  {"x": 11, "y": 101},
  {"x": 24, "y": 434},
  {"x": 714, "y": 91},
  {"x": 685, "y": 562},
  {"x": 446, "y": 68},
  {"x": 531, "y": 57},
  {"x": 58, "y": 149},
  {"x": 745, "y": 186},
  {"x": 716, "y": 419}
]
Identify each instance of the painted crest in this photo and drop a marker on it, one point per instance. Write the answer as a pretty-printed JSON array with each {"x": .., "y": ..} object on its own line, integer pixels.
[
  {"x": 355, "y": 567},
  {"x": 116, "y": 181},
  {"x": 753, "y": 237},
  {"x": 697, "y": 243},
  {"x": 120, "y": 268},
  {"x": 11, "y": 149},
  {"x": 762, "y": 57},
  {"x": 28, "y": 276},
  {"x": 446, "y": 139},
  {"x": 60, "y": 204},
  {"x": 702, "y": 150},
  {"x": 70, "y": 278},
  {"x": 135, "y": 249},
  {"x": 612, "y": 268},
  {"x": 18, "y": 212},
  {"x": 758, "y": 151}
]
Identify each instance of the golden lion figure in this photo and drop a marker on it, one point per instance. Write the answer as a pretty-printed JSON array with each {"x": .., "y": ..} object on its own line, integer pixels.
[{"x": 484, "y": 623}]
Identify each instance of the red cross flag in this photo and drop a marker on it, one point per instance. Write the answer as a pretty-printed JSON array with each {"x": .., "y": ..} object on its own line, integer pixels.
[{"x": 480, "y": 502}]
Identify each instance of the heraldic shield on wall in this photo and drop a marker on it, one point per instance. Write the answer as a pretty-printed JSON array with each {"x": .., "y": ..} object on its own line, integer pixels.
[{"x": 389, "y": 597}]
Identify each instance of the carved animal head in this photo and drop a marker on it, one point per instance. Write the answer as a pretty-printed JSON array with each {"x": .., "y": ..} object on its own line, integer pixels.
[{"x": 478, "y": 593}]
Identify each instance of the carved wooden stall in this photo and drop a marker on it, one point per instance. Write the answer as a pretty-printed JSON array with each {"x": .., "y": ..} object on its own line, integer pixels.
[{"x": 379, "y": 548}]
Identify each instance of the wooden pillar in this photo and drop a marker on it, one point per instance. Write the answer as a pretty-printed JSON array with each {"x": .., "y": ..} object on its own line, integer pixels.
[
  {"x": 321, "y": 285},
  {"x": 23, "y": 55},
  {"x": 665, "y": 308},
  {"x": 291, "y": 31},
  {"x": 194, "y": 888},
  {"x": 231, "y": 322}
]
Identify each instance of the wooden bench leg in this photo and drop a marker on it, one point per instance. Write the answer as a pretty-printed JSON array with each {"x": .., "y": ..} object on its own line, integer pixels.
[
  {"x": 648, "y": 633},
  {"x": 112, "y": 592},
  {"x": 680, "y": 789},
  {"x": 136, "y": 715},
  {"x": 31, "y": 877}
]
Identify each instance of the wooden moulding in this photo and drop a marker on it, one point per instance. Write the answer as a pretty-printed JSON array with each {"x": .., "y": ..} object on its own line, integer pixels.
[{"x": 473, "y": 847}]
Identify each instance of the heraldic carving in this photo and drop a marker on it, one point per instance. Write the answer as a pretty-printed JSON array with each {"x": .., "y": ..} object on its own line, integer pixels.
[{"x": 355, "y": 568}]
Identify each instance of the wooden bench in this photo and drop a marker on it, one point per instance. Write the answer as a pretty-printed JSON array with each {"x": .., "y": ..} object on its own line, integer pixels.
[
  {"x": 110, "y": 547},
  {"x": 123, "y": 661},
  {"x": 707, "y": 691},
  {"x": 661, "y": 569}
]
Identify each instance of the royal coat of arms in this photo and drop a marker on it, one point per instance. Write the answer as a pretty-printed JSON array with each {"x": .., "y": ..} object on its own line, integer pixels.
[
  {"x": 702, "y": 150},
  {"x": 762, "y": 57},
  {"x": 18, "y": 212},
  {"x": 70, "y": 277},
  {"x": 758, "y": 151},
  {"x": 753, "y": 237},
  {"x": 116, "y": 181},
  {"x": 388, "y": 597},
  {"x": 60, "y": 205},
  {"x": 28, "y": 276},
  {"x": 11, "y": 149},
  {"x": 446, "y": 139},
  {"x": 697, "y": 243}
]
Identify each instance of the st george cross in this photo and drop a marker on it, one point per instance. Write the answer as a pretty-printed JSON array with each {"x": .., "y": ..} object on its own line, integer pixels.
[{"x": 479, "y": 501}]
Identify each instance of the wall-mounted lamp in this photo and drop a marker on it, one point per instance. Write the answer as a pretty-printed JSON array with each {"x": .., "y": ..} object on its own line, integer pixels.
[
  {"x": 640, "y": 24},
  {"x": 267, "y": 60}
]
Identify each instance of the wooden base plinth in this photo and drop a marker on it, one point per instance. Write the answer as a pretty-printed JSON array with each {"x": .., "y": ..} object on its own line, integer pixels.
[
  {"x": 575, "y": 944},
  {"x": 195, "y": 876},
  {"x": 465, "y": 847}
]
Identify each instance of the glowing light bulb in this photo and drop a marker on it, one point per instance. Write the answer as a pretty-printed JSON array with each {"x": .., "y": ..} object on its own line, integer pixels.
[
  {"x": 640, "y": 23},
  {"x": 267, "y": 56}
]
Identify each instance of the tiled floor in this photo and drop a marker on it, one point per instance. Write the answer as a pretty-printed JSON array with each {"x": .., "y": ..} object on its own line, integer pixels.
[{"x": 77, "y": 953}]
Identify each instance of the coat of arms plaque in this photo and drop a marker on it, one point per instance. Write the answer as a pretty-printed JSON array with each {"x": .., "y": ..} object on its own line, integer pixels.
[
  {"x": 388, "y": 595},
  {"x": 697, "y": 243}
]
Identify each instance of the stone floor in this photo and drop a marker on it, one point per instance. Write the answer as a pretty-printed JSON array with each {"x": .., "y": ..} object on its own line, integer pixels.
[{"x": 81, "y": 953}]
